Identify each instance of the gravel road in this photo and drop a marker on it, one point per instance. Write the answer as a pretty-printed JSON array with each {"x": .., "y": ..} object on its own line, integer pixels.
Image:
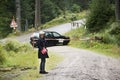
[{"x": 82, "y": 64}]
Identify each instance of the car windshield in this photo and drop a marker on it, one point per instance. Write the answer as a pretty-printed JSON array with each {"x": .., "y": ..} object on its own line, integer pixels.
[{"x": 55, "y": 34}]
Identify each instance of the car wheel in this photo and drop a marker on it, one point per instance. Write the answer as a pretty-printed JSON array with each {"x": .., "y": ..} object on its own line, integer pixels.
[{"x": 65, "y": 43}]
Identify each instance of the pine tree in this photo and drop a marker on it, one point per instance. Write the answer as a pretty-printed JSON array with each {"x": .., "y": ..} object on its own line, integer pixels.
[
  {"x": 18, "y": 14},
  {"x": 117, "y": 4}
]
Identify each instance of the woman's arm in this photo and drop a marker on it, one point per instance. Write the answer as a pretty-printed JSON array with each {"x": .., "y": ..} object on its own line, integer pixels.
[{"x": 39, "y": 44}]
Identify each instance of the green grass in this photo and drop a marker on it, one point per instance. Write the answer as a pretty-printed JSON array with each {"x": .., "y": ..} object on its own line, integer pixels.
[
  {"x": 34, "y": 74},
  {"x": 96, "y": 46},
  {"x": 20, "y": 55},
  {"x": 101, "y": 48}
]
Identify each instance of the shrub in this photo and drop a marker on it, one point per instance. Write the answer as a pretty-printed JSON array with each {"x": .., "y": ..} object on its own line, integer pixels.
[
  {"x": 14, "y": 53},
  {"x": 77, "y": 33},
  {"x": 109, "y": 39},
  {"x": 75, "y": 8},
  {"x": 12, "y": 45},
  {"x": 15, "y": 46},
  {"x": 115, "y": 31},
  {"x": 100, "y": 13},
  {"x": 2, "y": 55}
]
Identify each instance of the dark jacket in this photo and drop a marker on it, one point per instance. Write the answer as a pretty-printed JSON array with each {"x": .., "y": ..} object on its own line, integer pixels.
[{"x": 41, "y": 44}]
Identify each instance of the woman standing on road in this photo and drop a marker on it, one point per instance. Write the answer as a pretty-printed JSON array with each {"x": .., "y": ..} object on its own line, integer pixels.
[{"x": 42, "y": 52}]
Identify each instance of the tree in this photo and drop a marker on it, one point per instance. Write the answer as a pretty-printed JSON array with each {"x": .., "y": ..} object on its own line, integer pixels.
[
  {"x": 18, "y": 14},
  {"x": 117, "y": 11},
  {"x": 27, "y": 14},
  {"x": 100, "y": 13},
  {"x": 75, "y": 8},
  {"x": 7, "y": 11},
  {"x": 49, "y": 10},
  {"x": 37, "y": 14}
]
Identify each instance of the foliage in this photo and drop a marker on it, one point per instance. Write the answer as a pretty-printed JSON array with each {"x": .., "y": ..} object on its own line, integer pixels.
[
  {"x": 21, "y": 55},
  {"x": 61, "y": 20},
  {"x": 54, "y": 22},
  {"x": 82, "y": 3},
  {"x": 27, "y": 13},
  {"x": 50, "y": 9},
  {"x": 12, "y": 53},
  {"x": 49, "y": 12},
  {"x": 2, "y": 55},
  {"x": 101, "y": 47},
  {"x": 100, "y": 13},
  {"x": 115, "y": 31},
  {"x": 6, "y": 12},
  {"x": 77, "y": 34},
  {"x": 75, "y": 8}
]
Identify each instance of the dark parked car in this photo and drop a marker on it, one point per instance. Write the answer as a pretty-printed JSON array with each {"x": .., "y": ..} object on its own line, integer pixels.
[{"x": 52, "y": 38}]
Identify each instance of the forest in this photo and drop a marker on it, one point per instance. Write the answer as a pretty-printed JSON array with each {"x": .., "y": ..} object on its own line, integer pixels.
[
  {"x": 103, "y": 15},
  {"x": 50, "y": 9}
]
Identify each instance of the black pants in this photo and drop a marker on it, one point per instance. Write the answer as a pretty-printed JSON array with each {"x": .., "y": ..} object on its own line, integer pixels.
[{"x": 42, "y": 64}]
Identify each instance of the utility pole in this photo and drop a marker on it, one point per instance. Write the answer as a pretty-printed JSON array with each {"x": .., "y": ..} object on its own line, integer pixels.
[
  {"x": 37, "y": 14},
  {"x": 117, "y": 11},
  {"x": 18, "y": 14}
]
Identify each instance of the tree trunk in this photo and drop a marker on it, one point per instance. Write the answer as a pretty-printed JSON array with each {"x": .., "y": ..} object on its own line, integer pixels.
[
  {"x": 117, "y": 11},
  {"x": 37, "y": 14},
  {"x": 18, "y": 14}
]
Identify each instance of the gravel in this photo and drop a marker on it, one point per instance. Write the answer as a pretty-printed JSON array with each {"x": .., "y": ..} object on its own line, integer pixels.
[{"x": 82, "y": 64}]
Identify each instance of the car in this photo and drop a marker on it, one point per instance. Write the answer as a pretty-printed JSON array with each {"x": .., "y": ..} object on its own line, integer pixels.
[{"x": 52, "y": 39}]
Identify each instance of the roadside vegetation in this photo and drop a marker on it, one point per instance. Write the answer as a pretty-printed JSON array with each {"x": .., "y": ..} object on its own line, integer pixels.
[
  {"x": 81, "y": 39},
  {"x": 100, "y": 23},
  {"x": 69, "y": 17},
  {"x": 16, "y": 57},
  {"x": 54, "y": 22}
]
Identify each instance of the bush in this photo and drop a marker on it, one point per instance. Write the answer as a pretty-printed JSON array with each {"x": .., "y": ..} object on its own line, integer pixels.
[
  {"x": 12, "y": 45},
  {"x": 115, "y": 31},
  {"x": 2, "y": 55},
  {"x": 14, "y": 53},
  {"x": 75, "y": 8},
  {"x": 50, "y": 10},
  {"x": 17, "y": 33},
  {"x": 108, "y": 39},
  {"x": 100, "y": 13},
  {"x": 77, "y": 33}
]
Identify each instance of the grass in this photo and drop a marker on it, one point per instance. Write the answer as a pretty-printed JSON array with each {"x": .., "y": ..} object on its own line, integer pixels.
[
  {"x": 21, "y": 55},
  {"x": 96, "y": 46},
  {"x": 101, "y": 48},
  {"x": 33, "y": 74}
]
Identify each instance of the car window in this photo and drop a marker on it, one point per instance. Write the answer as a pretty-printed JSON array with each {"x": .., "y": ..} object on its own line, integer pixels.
[
  {"x": 56, "y": 34},
  {"x": 48, "y": 35}
]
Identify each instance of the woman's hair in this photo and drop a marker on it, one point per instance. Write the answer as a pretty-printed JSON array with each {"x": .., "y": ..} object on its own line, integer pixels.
[{"x": 40, "y": 35}]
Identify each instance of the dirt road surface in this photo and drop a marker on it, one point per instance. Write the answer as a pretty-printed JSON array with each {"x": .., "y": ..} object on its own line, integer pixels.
[{"x": 82, "y": 64}]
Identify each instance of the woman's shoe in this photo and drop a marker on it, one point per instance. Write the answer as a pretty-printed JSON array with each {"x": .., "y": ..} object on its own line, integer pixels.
[{"x": 43, "y": 72}]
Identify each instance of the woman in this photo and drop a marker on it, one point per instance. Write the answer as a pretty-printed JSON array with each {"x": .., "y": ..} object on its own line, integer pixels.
[{"x": 42, "y": 52}]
